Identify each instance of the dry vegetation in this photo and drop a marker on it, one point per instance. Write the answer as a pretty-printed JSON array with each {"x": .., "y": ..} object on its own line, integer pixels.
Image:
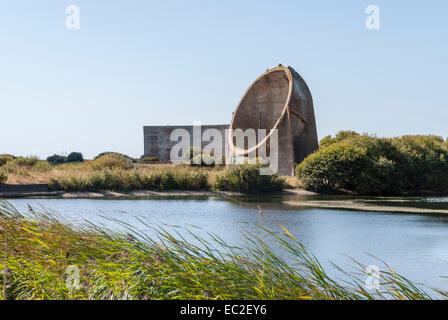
[
  {"x": 43, "y": 172},
  {"x": 118, "y": 172}
]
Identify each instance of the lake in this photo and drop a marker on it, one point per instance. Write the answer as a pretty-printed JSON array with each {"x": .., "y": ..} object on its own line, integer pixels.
[{"x": 410, "y": 234}]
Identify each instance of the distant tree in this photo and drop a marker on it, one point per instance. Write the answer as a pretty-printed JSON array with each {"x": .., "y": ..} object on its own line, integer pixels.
[
  {"x": 340, "y": 136},
  {"x": 56, "y": 159},
  {"x": 377, "y": 166},
  {"x": 75, "y": 157}
]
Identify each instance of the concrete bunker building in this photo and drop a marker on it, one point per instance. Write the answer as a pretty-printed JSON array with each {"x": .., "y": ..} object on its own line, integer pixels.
[{"x": 278, "y": 99}]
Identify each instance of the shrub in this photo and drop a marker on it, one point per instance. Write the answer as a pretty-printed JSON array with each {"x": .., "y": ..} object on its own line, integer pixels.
[
  {"x": 332, "y": 168},
  {"x": 3, "y": 176},
  {"x": 198, "y": 157},
  {"x": 111, "y": 161},
  {"x": 12, "y": 168},
  {"x": 423, "y": 163},
  {"x": 53, "y": 185},
  {"x": 167, "y": 181},
  {"x": 371, "y": 165},
  {"x": 149, "y": 159},
  {"x": 26, "y": 161},
  {"x": 42, "y": 166},
  {"x": 4, "y": 158},
  {"x": 113, "y": 180},
  {"x": 20, "y": 166},
  {"x": 75, "y": 157},
  {"x": 56, "y": 159},
  {"x": 116, "y": 153},
  {"x": 95, "y": 182},
  {"x": 341, "y": 135},
  {"x": 195, "y": 181},
  {"x": 246, "y": 178}
]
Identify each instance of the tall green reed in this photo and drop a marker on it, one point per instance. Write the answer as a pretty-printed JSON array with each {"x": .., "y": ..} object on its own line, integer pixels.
[{"x": 160, "y": 263}]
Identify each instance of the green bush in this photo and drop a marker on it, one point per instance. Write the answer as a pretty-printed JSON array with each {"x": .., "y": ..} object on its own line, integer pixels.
[
  {"x": 246, "y": 178},
  {"x": 56, "y": 159},
  {"x": 191, "y": 181},
  {"x": 3, "y": 176},
  {"x": 371, "y": 165},
  {"x": 341, "y": 135},
  {"x": 95, "y": 182},
  {"x": 150, "y": 159},
  {"x": 110, "y": 161},
  {"x": 42, "y": 166},
  {"x": 53, "y": 185},
  {"x": 332, "y": 168},
  {"x": 12, "y": 168},
  {"x": 115, "y": 153},
  {"x": 75, "y": 157},
  {"x": 26, "y": 161},
  {"x": 4, "y": 158},
  {"x": 198, "y": 157},
  {"x": 423, "y": 164}
]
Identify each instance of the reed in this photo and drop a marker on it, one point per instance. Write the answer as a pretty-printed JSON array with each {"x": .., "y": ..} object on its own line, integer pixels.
[
  {"x": 43, "y": 172},
  {"x": 116, "y": 172},
  {"x": 45, "y": 253},
  {"x": 124, "y": 180}
]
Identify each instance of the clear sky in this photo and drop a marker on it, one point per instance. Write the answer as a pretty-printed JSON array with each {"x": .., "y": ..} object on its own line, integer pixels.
[{"x": 134, "y": 63}]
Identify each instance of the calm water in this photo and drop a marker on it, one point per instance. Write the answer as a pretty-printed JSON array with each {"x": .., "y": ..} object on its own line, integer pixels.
[{"x": 413, "y": 244}]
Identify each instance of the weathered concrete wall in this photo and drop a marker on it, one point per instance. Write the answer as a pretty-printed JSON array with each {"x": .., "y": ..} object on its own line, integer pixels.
[
  {"x": 157, "y": 139},
  {"x": 27, "y": 190},
  {"x": 40, "y": 187}
]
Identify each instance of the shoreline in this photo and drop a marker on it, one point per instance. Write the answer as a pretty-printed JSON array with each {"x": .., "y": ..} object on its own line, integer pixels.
[
  {"x": 42, "y": 191},
  {"x": 135, "y": 194}
]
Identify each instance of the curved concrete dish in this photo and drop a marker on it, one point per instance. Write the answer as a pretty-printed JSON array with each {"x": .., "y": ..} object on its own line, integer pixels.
[{"x": 278, "y": 99}]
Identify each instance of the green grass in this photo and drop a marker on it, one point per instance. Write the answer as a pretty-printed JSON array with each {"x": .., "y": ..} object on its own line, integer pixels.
[
  {"x": 131, "y": 265},
  {"x": 242, "y": 178},
  {"x": 246, "y": 178},
  {"x": 124, "y": 180}
]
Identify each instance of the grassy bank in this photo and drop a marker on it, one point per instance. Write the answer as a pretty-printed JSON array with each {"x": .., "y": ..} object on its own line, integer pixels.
[
  {"x": 32, "y": 170},
  {"x": 44, "y": 254},
  {"x": 119, "y": 173}
]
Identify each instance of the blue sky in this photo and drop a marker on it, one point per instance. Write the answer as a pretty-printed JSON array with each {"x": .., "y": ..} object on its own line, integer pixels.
[{"x": 136, "y": 63}]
